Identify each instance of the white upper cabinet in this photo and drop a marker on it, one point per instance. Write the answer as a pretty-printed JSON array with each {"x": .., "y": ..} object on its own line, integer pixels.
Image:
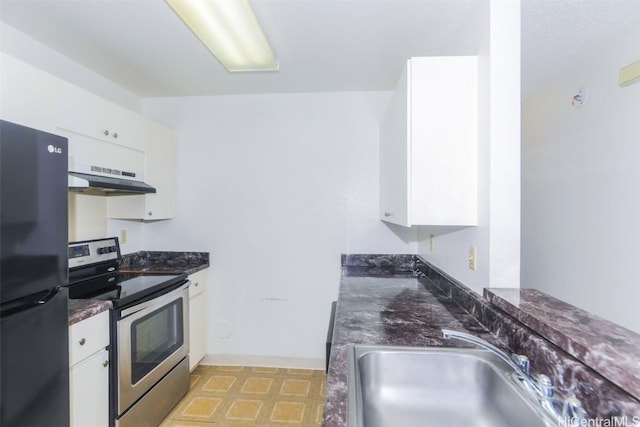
[
  {"x": 159, "y": 152},
  {"x": 28, "y": 94},
  {"x": 97, "y": 129},
  {"x": 94, "y": 126},
  {"x": 428, "y": 144},
  {"x": 84, "y": 113}
]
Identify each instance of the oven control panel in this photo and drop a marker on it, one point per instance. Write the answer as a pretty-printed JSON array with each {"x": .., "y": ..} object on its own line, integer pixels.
[{"x": 93, "y": 251}]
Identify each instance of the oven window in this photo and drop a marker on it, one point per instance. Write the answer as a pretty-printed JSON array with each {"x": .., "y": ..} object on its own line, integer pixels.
[{"x": 154, "y": 337}]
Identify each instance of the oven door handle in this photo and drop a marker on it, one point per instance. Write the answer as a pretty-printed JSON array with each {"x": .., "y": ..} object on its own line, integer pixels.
[{"x": 156, "y": 302}]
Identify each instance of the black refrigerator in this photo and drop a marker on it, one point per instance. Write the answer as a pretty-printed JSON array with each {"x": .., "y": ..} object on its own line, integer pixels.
[{"x": 34, "y": 349}]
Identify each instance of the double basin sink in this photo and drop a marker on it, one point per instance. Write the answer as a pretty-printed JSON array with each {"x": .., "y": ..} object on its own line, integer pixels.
[{"x": 436, "y": 386}]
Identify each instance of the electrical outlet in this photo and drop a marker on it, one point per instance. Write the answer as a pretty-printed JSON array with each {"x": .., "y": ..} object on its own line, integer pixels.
[
  {"x": 473, "y": 257},
  {"x": 123, "y": 236},
  {"x": 432, "y": 242}
]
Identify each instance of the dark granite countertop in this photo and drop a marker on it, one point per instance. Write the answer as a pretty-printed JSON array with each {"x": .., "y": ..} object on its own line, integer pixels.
[
  {"x": 167, "y": 262},
  {"x": 591, "y": 339},
  {"x": 81, "y": 309},
  {"x": 401, "y": 311},
  {"x": 402, "y": 300}
]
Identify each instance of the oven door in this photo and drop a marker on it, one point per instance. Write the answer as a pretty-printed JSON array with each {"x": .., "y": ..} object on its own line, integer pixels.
[{"x": 152, "y": 337}]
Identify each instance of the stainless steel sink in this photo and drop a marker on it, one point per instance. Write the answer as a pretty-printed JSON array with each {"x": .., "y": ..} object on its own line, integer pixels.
[{"x": 406, "y": 386}]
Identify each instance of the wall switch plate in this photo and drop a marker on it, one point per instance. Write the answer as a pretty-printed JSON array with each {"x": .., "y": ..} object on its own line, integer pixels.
[
  {"x": 123, "y": 236},
  {"x": 473, "y": 257}
]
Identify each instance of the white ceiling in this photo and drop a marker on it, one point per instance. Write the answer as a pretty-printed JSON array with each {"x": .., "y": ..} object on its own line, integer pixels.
[{"x": 322, "y": 45}]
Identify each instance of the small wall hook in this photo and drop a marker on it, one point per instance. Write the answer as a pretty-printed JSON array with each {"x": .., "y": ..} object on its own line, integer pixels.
[{"x": 580, "y": 98}]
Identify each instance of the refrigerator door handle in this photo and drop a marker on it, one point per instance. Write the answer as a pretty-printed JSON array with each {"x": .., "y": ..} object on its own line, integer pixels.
[{"x": 48, "y": 297}]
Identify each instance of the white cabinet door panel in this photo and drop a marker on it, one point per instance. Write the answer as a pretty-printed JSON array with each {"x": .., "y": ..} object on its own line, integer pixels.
[
  {"x": 198, "y": 317},
  {"x": 428, "y": 145},
  {"x": 89, "y": 391}
]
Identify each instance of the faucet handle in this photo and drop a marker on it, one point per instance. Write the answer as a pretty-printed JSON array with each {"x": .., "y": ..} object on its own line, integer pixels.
[
  {"x": 522, "y": 362},
  {"x": 545, "y": 385},
  {"x": 573, "y": 411}
]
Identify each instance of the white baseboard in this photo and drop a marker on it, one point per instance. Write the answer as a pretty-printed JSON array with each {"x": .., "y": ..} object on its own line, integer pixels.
[{"x": 263, "y": 361}]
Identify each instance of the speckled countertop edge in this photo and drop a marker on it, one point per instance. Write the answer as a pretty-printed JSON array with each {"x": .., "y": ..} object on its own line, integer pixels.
[
  {"x": 592, "y": 340},
  {"x": 164, "y": 262},
  {"x": 81, "y": 309}
]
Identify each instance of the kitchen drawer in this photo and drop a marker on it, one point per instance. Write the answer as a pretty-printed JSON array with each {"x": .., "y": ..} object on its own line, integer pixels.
[{"x": 88, "y": 337}]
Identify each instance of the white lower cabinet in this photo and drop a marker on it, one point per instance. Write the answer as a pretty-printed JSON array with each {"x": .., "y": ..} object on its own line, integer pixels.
[
  {"x": 198, "y": 317},
  {"x": 89, "y": 371}
]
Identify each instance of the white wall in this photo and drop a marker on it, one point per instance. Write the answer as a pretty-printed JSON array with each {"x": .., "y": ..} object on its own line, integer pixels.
[
  {"x": 31, "y": 51},
  {"x": 276, "y": 187},
  {"x": 87, "y": 217},
  {"x": 497, "y": 237},
  {"x": 581, "y": 187}
]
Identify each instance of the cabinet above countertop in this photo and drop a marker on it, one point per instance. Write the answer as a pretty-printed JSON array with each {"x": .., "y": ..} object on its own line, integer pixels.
[{"x": 429, "y": 144}]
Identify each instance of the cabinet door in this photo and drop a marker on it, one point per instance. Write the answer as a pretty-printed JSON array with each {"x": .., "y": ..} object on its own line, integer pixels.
[
  {"x": 428, "y": 145},
  {"x": 196, "y": 330},
  {"x": 160, "y": 172},
  {"x": 394, "y": 156},
  {"x": 89, "y": 391},
  {"x": 28, "y": 95},
  {"x": 82, "y": 112},
  {"x": 443, "y": 114},
  {"x": 125, "y": 127},
  {"x": 198, "y": 319},
  {"x": 159, "y": 151}
]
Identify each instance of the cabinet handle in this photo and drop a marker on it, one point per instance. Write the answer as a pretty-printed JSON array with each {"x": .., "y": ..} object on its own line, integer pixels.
[
  {"x": 150, "y": 213},
  {"x": 82, "y": 341},
  {"x": 106, "y": 132},
  {"x": 105, "y": 363},
  {"x": 387, "y": 214},
  {"x": 196, "y": 284},
  {"x": 115, "y": 135}
]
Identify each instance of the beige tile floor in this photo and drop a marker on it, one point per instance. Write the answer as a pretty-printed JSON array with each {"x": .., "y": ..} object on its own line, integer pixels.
[{"x": 247, "y": 396}]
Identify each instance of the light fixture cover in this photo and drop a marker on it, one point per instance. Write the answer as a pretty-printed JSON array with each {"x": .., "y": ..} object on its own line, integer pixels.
[{"x": 230, "y": 30}]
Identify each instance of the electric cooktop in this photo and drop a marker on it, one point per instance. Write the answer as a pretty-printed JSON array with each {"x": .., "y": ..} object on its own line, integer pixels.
[{"x": 93, "y": 274}]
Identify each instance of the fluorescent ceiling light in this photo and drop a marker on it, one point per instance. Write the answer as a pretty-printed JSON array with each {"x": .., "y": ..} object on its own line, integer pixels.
[{"x": 230, "y": 30}]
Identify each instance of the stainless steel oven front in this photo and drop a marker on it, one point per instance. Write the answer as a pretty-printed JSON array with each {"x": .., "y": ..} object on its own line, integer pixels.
[{"x": 152, "y": 349}]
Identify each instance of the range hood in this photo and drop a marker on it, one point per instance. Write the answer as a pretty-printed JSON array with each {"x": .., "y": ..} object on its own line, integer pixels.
[
  {"x": 97, "y": 167},
  {"x": 101, "y": 181}
]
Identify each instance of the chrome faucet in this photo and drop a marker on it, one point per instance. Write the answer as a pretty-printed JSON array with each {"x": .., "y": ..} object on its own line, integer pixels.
[
  {"x": 571, "y": 409},
  {"x": 518, "y": 362},
  {"x": 542, "y": 385}
]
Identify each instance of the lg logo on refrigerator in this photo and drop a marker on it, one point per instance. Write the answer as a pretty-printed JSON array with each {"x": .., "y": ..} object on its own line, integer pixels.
[{"x": 54, "y": 150}]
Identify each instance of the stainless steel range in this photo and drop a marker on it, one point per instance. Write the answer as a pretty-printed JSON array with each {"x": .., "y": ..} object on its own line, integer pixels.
[{"x": 149, "y": 347}]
